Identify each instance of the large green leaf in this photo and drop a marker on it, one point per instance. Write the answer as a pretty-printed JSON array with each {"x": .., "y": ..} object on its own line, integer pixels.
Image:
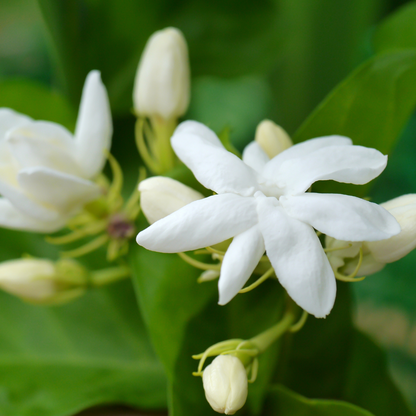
[
  {"x": 398, "y": 31},
  {"x": 55, "y": 361},
  {"x": 371, "y": 106},
  {"x": 329, "y": 359},
  {"x": 37, "y": 101},
  {"x": 284, "y": 402},
  {"x": 368, "y": 381}
]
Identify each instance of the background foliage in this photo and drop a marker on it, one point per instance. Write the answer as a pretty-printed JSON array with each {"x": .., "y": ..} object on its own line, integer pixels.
[{"x": 314, "y": 66}]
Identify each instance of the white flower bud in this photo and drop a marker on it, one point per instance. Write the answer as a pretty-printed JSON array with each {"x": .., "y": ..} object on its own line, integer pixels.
[
  {"x": 162, "y": 84},
  {"x": 272, "y": 138},
  {"x": 160, "y": 196},
  {"x": 394, "y": 248},
  {"x": 208, "y": 275},
  {"x": 42, "y": 281},
  {"x": 28, "y": 278},
  {"x": 225, "y": 384}
]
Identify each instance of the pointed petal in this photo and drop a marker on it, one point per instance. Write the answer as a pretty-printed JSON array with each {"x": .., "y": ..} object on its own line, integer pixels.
[
  {"x": 255, "y": 157},
  {"x": 347, "y": 164},
  {"x": 342, "y": 217},
  {"x": 25, "y": 205},
  {"x": 10, "y": 217},
  {"x": 239, "y": 262},
  {"x": 63, "y": 192},
  {"x": 200, "y": 224},
  {"x": 200, "y": 130},
  {"x": 298, "y": 259},
  {"x": 213, "y": 166},
  {"x": 303, "y": 149},
  {"x": 9, "y": 119},
  {"x": 94, "y": 126},
  {"x": 46, "y": 144}
]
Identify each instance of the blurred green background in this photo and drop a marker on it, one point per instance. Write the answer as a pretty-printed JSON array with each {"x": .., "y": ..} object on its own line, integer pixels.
[{"x": 250, "y": 60}]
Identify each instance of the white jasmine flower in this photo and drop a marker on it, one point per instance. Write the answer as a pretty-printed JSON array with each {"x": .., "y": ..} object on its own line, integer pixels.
[
  {"x": 263, "y": 204},
  {"x": 162, "y": 84},
  {"x": 160, "y": 196},
  {"x": 46, "y": 173},
  {"x": 225, "y": 384},
  {"x": 272, "y": 138}
]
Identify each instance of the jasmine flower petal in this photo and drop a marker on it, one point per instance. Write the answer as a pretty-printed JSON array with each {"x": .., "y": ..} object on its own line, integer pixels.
[
  {"x": 298, "y": 259},
  {"x": 348, "y": 164},
  {"x": 255, "y": 157},
  {"x": 239, "y": 262},
  {"x": 94, "y": 126},
  {"x": 342, "y": 217},
  {"x": 10, "y": 217},
  {"x": 200, "y": 130},
  {"x": 42, "y": 143},
  {"x": 200, "y": 224},
  {"x": 303, "y": 149},
  {"x": 26, "y": 205},
  {"x": 213, "y": 166},
  {"x": 63, "y": 192}
]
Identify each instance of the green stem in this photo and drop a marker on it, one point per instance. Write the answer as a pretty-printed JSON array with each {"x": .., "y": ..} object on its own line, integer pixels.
[
  {"x": 266, "y": 338},
  {"x": 110, "y": 275},
  {"x": 163, "y": 130}
]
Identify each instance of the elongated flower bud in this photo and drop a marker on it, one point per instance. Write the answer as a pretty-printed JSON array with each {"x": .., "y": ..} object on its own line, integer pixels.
[
  {"x": 403, "y": 209},
  {"x": 162, "y": 84},
  {"x": 272, "y": 138},
  {"x": 225, "y": 384},
  {"x": 160, "y": 196},
  {"x": 42, "y": 281}
]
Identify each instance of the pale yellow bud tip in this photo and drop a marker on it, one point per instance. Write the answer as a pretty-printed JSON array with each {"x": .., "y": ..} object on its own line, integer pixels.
[
  {"x": 160, "y": 196},
  {"x": 225, "y": 384},
  {"x": 272, "y": 138}
]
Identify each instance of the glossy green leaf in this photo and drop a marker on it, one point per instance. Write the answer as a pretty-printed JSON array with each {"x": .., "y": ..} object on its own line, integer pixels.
[
  {"x": 37, "y": 101},
  {"x": 55, "y": 361},
  {"x": 284, "y": 402},
  {"x": 348, "y": 366},
  {"x": 371, "y": 106},
  {"x": 398, "y": 31},
  {"x": 368, "y": 381},
  {"x": 60, "y": 360}
]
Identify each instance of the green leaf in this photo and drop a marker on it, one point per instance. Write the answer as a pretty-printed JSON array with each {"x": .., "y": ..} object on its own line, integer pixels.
[
  {"x": 398, "y": 31},
  {"x": 284, "y": 402},
  {"x": 56, "y": 361},
  {"x": 60, "y": 360},
  {"x": 368, "y": 381},
  {"x": 348, "y": 366},
  {"x": 371, "y": 106},
  {"x": 37, "y": 101}
]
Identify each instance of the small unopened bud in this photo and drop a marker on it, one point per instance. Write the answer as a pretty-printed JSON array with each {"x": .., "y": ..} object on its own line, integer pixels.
[
  {"x": 272, "y": 138},
  {"x": 403, "y": 209},
  {"x": 42, "y": 281},
  {"x": 225, "y": 384},
  {"x": 160, "y": 196},
  {"x": 208, "y": 275},
  {"x": 162, "y": 84}
]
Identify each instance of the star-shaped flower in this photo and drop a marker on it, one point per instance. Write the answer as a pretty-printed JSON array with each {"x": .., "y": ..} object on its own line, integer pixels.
[
  {"x": 264, "y": 205},
  {"x": 46, "y": 173}
]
